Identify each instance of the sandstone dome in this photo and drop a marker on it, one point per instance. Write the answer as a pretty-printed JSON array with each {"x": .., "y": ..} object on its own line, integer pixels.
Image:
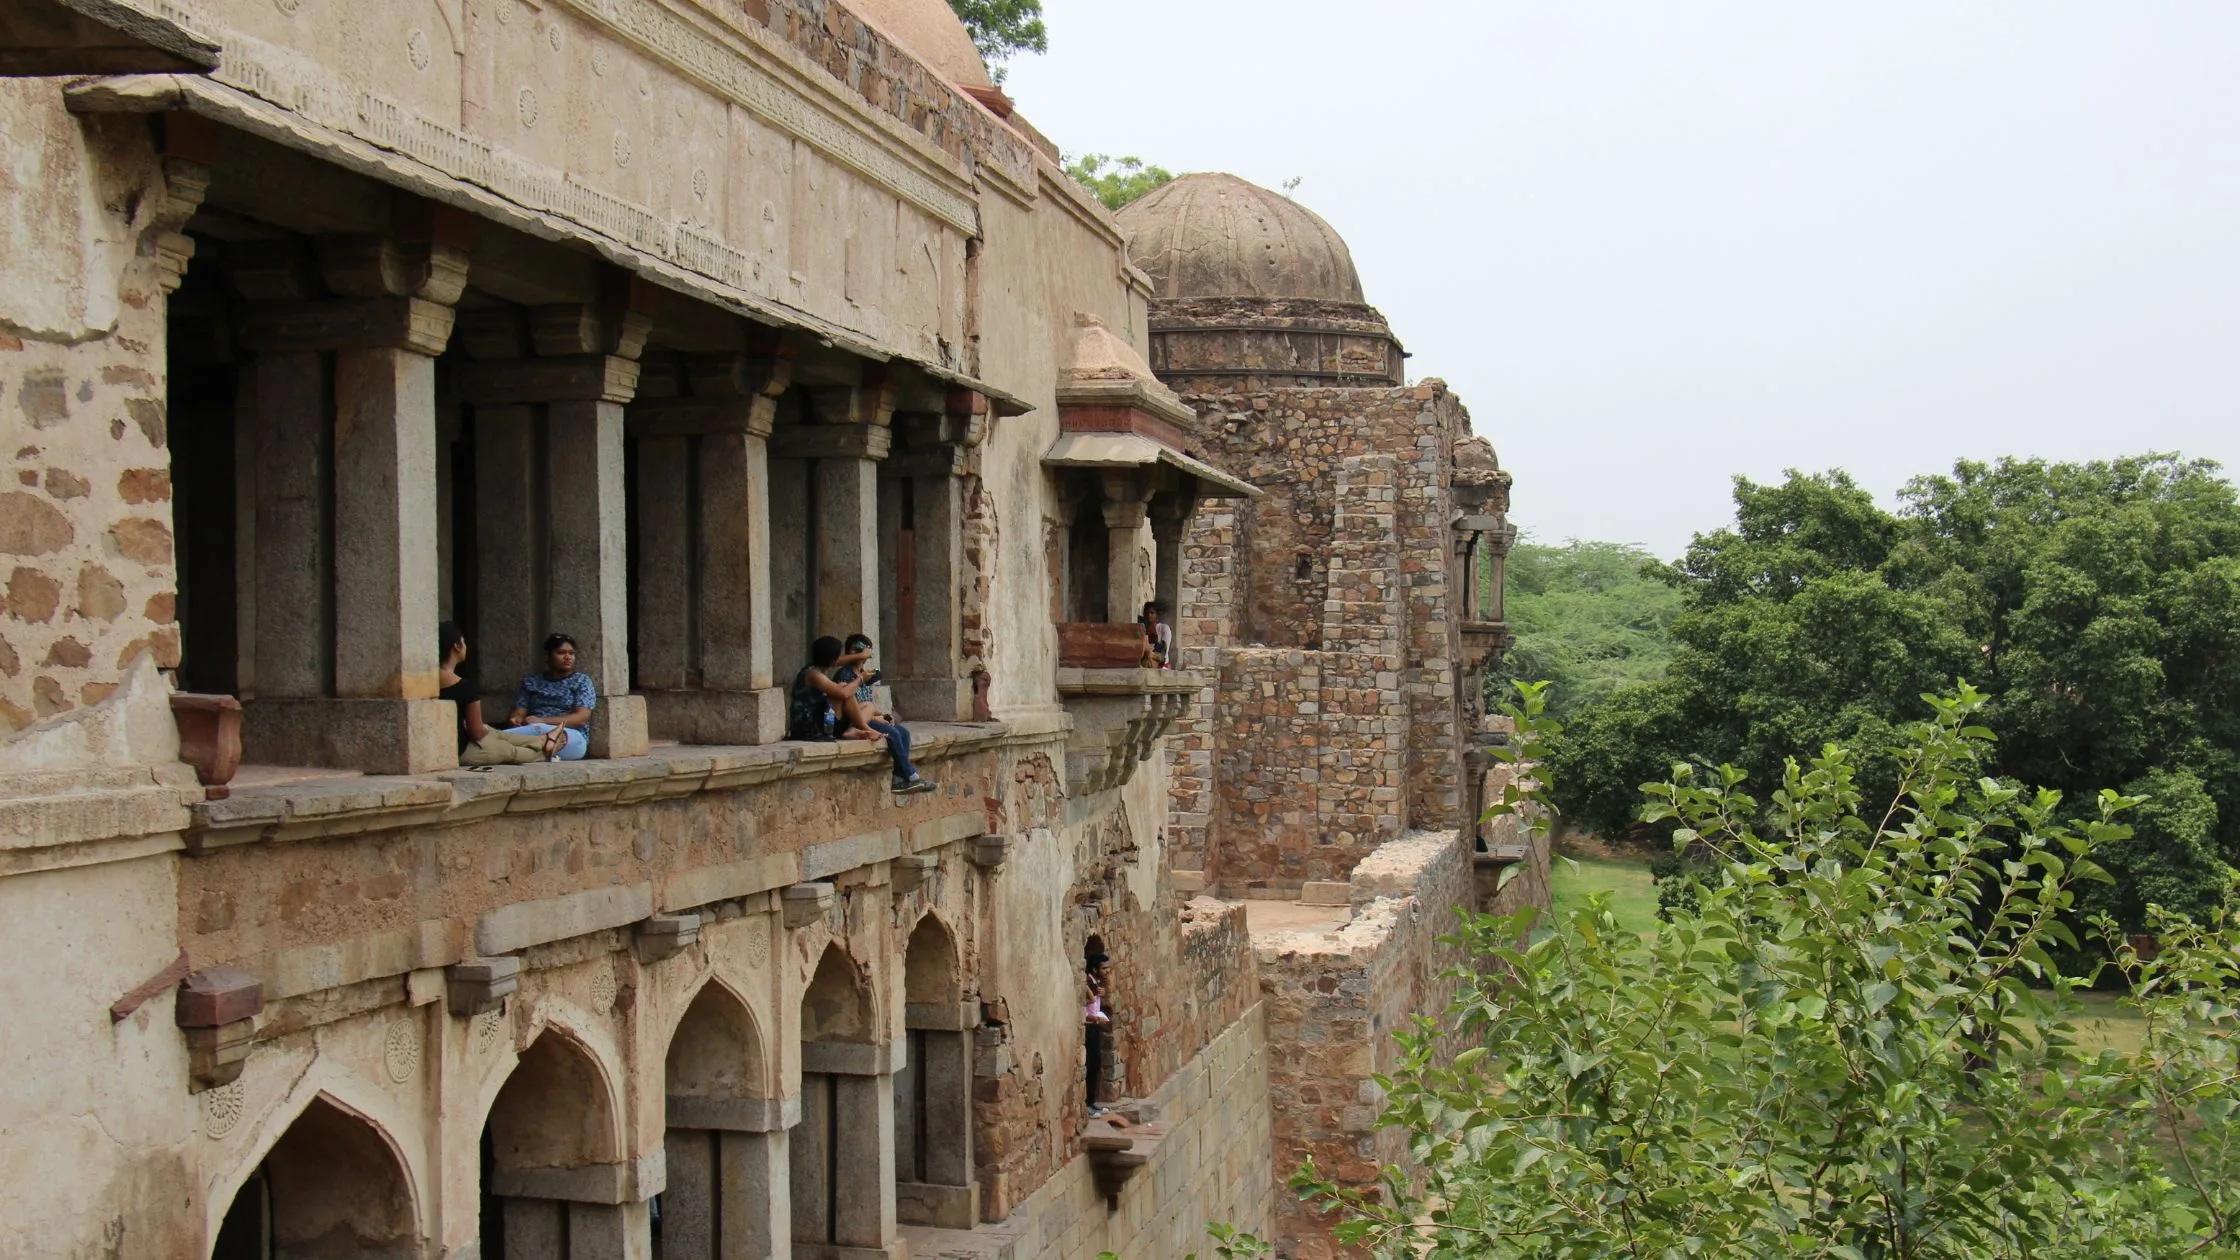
[
  {"x": 1214, "y": 235},
  {"x": 929, "y": 30}
]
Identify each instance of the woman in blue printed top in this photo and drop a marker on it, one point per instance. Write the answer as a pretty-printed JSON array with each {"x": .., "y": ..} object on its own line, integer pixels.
[{"x": 557, "y": 699}]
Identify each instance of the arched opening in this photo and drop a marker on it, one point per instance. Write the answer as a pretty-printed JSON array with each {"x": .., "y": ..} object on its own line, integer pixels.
[
  {"x": 841, "y": 1154},
  {"x": 330, "y": 1187},
  {"x": 726, "y": 1138},
  {"x": 554, "y": 1180},
  {"x": 933, "y": 1088}
]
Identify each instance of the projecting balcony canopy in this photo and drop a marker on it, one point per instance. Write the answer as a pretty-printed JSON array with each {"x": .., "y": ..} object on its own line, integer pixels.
[
  {"x": 59, "y": 37},
  {"x": 1116, "y": 452}
]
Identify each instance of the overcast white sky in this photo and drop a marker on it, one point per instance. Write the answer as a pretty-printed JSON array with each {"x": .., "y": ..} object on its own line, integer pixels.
[{"x": 1655, "y": 245}]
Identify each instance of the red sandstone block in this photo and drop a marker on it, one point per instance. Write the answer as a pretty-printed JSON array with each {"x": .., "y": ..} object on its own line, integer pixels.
[{"x": 218, "y": 995}]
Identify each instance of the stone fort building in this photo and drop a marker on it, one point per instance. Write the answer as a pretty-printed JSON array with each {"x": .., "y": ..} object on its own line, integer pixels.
[{"x": 695, "y": 329}]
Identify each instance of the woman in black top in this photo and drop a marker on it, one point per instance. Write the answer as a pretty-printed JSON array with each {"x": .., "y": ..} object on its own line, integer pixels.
[{"x": 481, "y": 744}]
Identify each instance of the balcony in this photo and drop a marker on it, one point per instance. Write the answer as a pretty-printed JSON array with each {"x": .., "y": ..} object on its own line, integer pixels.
[{"x": 1119, "y": 708}]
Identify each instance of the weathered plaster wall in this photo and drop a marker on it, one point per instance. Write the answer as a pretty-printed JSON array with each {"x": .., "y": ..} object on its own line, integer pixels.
[
  {"x": 95, "y": 1150},
  {"x": 1042, "y": 263},
  {"x": 1212, "y": 1163},
  {"x": 85, "y": 513}
]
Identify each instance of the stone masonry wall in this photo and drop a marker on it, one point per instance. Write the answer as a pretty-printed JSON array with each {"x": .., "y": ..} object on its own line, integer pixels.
[
  {"x": 1335, "y": 999},
  {"x": 86, "y": 573},
  {"x": 1288, "y": 571}
]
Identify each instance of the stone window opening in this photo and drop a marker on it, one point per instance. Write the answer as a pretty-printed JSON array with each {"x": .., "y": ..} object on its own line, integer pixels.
[
  {"x": 841, "y": 1154},
  {"x": 933, "y": 1088},
  {"x": 333, "y": 1185},
  {"x": 725, "y": 1140},
  {"x": 555, "y": 1178}
]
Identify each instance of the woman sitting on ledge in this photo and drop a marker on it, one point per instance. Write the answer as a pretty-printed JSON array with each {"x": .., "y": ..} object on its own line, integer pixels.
[
  {"x": 479, "y": 743},
  {"x": 559, "y": 699}
]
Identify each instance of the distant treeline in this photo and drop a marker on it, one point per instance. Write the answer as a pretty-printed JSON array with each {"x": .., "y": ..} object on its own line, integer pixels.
[{"x": 2097, "y": 604}]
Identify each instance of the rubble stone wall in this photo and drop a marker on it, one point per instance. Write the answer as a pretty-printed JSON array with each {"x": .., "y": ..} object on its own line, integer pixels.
[
  {"x": 86, "y": 571},
  {"x": 1335, "y": 999},
  {"x": 1301, "y": 760}
]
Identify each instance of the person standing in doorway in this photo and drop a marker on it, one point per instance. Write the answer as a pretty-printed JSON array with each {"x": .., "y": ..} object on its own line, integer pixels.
[{"x": 1095, "y": 1019}]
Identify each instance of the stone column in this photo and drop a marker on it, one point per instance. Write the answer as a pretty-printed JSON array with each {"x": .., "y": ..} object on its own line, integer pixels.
[
  {"x": 1128, "y": 576},
  {"x": 713, "y": 527},
  {"x": 557, "y": 549},
  {"x": 843, "y": 520},
  {"x": 667, "y": 593},
  {"x": 926, "y": 659},
  {"x": 727, "y": 1193},
  {"x": 842, "y": 1155},
  {"x": 346, "y": 656},
  {"x": 509, "y": 575},
  {"x": 588, "y": 593},
  {"x": 944, "y": 1192}
]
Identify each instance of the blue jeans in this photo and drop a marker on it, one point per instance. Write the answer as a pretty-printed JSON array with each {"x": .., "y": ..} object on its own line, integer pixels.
[
  {"x": 898, "y": 743},
  {"x": 578, "y": 743}
]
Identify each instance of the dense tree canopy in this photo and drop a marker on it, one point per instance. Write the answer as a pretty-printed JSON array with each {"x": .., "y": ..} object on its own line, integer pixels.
[
  {"x": 1116, "y": 181},
  {"x": 1859, "y": 1044},
  {"x": 1003, "y": 28},
  {"x": 1588, "y": 618},
  {"x": 2097, "y": 606}
]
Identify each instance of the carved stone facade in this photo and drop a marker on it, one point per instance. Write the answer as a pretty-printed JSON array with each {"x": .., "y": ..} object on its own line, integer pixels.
[{"x": 695, "y": 332}]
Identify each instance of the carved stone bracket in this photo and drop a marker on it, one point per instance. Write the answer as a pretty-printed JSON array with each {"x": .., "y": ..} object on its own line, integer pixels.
[
  {"x": 806, "y": 903},
  {"x": 666, "y": 935},
  {"x": 480, "y": 984},
  {"x": 217, "y": 1008},
  {"x": 1118, "y": 717}
]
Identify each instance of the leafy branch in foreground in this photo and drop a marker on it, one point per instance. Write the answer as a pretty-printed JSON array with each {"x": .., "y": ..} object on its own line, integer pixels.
[{"x": 1858, "y": 1044}]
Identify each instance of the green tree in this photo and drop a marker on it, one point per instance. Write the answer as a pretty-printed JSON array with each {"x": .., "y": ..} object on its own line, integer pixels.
[
  {"x": 1858, "y": 1044},
  {"x": 2097, "y": 605},
  {"x": 1001, "y": 29},
  {"x": 1116, "y": 181},
  {"x": 1587, "y": 617}
]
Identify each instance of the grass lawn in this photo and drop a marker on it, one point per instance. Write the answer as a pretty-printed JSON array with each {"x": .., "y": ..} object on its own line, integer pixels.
[
  {"x": 1633, "y": 899},
  {"x": 1633, "y": 895}
]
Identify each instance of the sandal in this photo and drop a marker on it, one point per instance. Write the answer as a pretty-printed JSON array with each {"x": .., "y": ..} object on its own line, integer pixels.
[{"x": 554, "y": 740}]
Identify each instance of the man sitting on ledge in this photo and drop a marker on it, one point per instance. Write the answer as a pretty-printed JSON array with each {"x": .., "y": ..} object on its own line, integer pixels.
[{"x": 558, "y": 699}]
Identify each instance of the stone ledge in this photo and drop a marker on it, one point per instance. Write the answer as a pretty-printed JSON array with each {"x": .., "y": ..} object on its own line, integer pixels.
[
  {"x": 1076, "y": 681},
  {"x": 320, "y": 808}
]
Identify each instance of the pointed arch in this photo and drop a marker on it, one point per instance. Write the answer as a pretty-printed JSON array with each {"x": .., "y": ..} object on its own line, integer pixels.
[
  {"x": 931, "y": 969},
  {"x": 837, "y": 1006},
  {"x": 556, "y": 1108},
  {"x": 717, "y": 1049},
  {"x": 333, "y": 1185}
]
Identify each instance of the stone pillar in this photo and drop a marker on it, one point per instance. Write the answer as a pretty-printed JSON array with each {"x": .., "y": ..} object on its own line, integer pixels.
[
  {"x": 926, "y": 659},
  {"x": 346, "y": 655},
  {"x": 933, "y": 1123},
  {"x": 588, "y": 594},
  {"x": 555, "y": 549},
  {"x": 842, "y": 1152},
  {"x": 705, "y": 656},
  {"x": 727, "y": 1193},
  {"x": 284, "y": 400},
  {"x": 1128, "y": 576},
  {"x": 843, "y": 491},
  {"x": 846, "y": 534},
  {"x": 509, "y": 575},
  {"x": 667, "y": 592}
]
